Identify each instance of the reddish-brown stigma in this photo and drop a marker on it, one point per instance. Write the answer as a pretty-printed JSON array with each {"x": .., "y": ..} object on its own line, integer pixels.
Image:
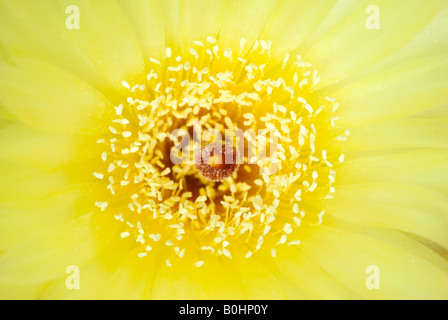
[{"x": 216, "y": 161}]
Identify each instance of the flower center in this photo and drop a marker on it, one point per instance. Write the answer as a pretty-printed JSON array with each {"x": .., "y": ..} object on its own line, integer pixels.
[
  {"x": 173, "y": 191},
  {"x": 216, "y": 161}
]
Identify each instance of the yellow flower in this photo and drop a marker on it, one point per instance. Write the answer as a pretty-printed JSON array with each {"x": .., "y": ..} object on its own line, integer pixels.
[{"x": 352, "y": 203}]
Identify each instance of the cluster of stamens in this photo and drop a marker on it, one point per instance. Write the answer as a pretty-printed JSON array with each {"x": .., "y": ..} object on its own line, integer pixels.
[{"x": 200, "y": 206}]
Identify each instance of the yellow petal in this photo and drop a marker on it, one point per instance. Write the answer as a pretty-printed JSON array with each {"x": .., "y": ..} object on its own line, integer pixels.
[
  {"x": 199, "y": 24},
  {"x": 146, "y": 20},
  {"x": 45, "y": 150},
  {"x": 404, "y": 265},
  {"x": 45, "y": 257},
  {"x": 292, "y": 22},
  {"x": 401, "y": 207},
  {"x": 44, "y": 35},
  {"x": 422, "y": 168},
  {"x": 246, "y": 19},
  {"x": 350, "y": 47},
  {"x": 403, "y": 90},
  {"x": 312, "y": 277},
  {"x": 398, "y": 134},
  {"x": 51, "y": 100},
  {"x": 19, "y": 182}
]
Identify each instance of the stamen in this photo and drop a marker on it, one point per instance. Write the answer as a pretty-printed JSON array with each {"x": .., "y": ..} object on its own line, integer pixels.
[{"x": 224, "y": 90}]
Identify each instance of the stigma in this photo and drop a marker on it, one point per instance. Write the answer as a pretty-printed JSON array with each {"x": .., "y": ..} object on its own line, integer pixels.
[{"x": 216, "y": 161}]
